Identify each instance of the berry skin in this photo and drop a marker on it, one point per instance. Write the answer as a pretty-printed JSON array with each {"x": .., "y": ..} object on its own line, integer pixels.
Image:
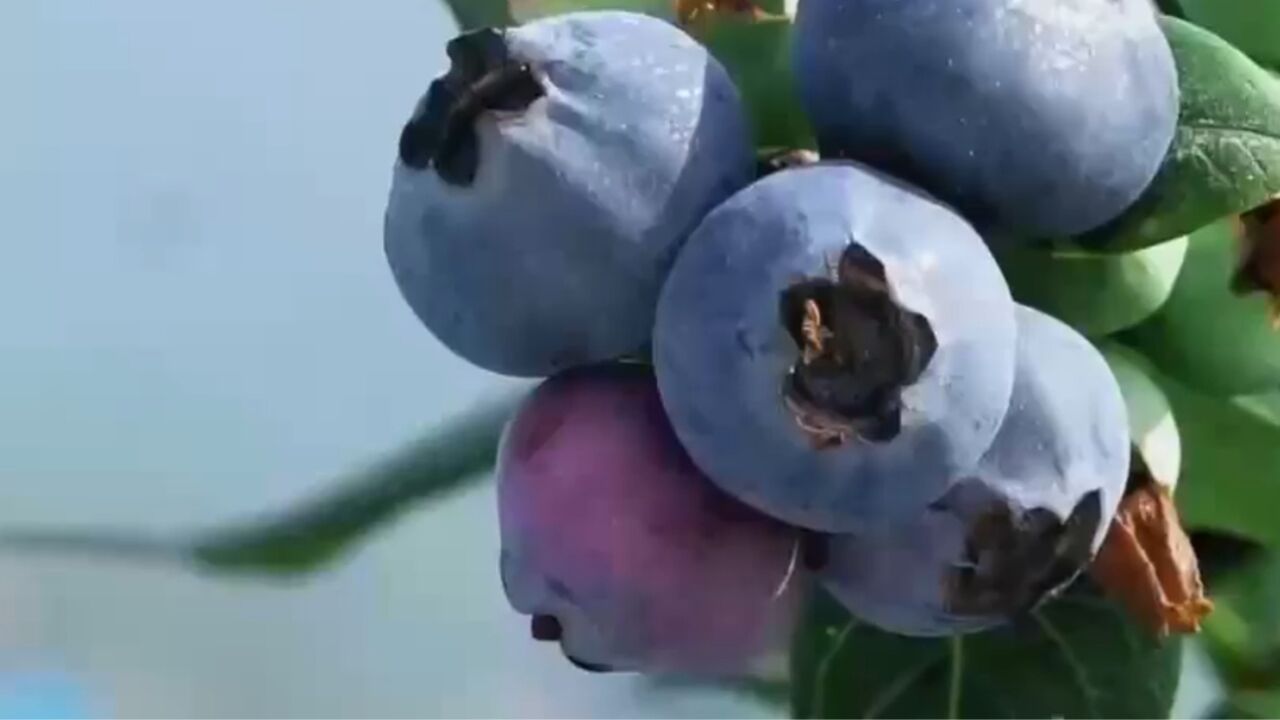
[
  {"x": 621, "y": 550},
  {"x": 833, "y": 347},
  {"x": 1020, "y": 526},
  {"x": 544, "y": 185},
  {"x": 1039, "y": 118}
]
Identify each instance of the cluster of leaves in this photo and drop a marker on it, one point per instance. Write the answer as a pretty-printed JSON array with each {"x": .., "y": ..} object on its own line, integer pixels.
[{"x": 1078, "y": 656}]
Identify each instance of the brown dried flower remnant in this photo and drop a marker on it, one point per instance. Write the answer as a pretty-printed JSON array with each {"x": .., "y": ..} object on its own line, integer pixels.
[
  {"x": 1258, "y": 232},
  {"x": 1148, "y": 565}
]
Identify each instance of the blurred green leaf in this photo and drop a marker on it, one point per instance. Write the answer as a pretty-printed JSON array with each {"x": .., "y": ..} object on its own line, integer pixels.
[
  {"x": 757, "y": 54},
  {"x": 1096, "y": 293},
  {"x": 1077, "y": 657},
  {"x": 1207, "y": 336},
  {"x": 773, "y": 7},
  {"x": 1153, "y": 429},
  {"x": 1230, "y": 462},
  {"x": 472, "y": 14},
  {"x": 312, "y": 535},
  {"x": 1251, "y": 25},
  {"x": 1225, "y": 157},
  {"x": 1170, "y": 7},
  {"x": 1242, "y": 638},
  {"x": 1221, "y": 555},
  {"x": 1254, "y": 704}
]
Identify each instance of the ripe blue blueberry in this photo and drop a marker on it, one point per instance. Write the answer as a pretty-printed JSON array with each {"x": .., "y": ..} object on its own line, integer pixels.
[
  {"x": 834, "y": 347},
  {"x": 618, "y": 546},
  {"x": 1044, "y": 117},
  {"x": 1022, "y": 524},
  {"x": 546, "y": 182}
]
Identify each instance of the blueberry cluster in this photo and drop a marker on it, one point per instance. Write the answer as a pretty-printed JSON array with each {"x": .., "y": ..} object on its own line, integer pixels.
[{"x": 762, "y": 374}]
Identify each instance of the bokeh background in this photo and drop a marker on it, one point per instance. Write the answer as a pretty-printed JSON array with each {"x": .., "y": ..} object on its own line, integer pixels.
[{"x": 197, "y": 325}]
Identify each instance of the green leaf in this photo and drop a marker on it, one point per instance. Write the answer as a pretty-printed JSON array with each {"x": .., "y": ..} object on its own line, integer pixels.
[
  {"x": 1221, "y": 555},
  {"x": 757, "y": 54},
  {"x": 1251, "y": 25},
  {"x": 1255, "y": 704},
  {"x": 1095, "y": 293},
  {"x": 1152, "y": 425},
  {"x": 1077, "y": 657},
  {"x": 1225, "y": 157},
  {"x": 1171, "y": 7},
  {"x": 309, "y": 537},
  {"x": 1230, "y": 462},
  {"x": 774, "y": 7},
  {"x": 1242, "y": 638},
  {"x": 1242, "y": 634},
  {"x": 472, "y": 14},
  {"x": 1206, "y": 335}
]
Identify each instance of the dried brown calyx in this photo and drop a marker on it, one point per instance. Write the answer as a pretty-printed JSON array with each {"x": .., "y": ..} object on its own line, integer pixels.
[
  {"x": 482, "y": 77},
  {"x": 1147, "y": 562},
  {"x": 1258, "y": 232},
  {"x": 1014, "y": 559},
  {"x": 858, "y": 350}
]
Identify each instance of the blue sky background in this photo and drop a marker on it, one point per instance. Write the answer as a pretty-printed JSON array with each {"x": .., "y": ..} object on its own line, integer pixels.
[{"x": 197, "y": 324}]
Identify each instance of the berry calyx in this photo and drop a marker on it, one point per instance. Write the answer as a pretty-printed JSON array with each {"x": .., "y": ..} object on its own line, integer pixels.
[
  {"x": 858, "y": 349},
  {"x": 482, "y": 77}
]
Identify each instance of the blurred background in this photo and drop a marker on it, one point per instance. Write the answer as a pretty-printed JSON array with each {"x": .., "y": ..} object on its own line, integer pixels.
[{"x": 197, "y": 325}]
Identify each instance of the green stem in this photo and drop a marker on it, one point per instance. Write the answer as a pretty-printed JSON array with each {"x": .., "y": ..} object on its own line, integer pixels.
[{"x": 818, "y": 703}]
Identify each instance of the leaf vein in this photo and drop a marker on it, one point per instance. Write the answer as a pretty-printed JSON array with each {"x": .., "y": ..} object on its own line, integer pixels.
[
  {"x": 894, "y": 690},
  {"x": 1195, "y": 129},
  {"x": 824, "y": 668},
  {"x": 1073, "y": 663}
]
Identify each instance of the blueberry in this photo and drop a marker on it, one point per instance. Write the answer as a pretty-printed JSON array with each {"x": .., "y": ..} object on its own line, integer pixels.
[
  {"x": 1043, "y": 118},
  {"x": 545, "y": 183},
  {"x": 1019, "y": 526},
  {"x": 618, "y": 546},
  {"x": 833, "y": 347}
]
